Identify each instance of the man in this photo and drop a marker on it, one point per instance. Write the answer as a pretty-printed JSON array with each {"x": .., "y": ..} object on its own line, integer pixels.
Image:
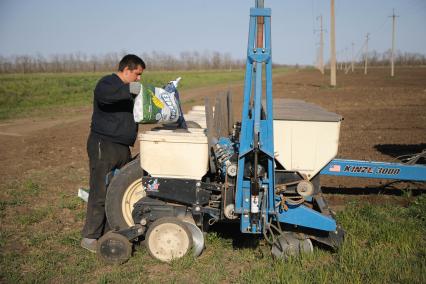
[{"x": 113, "y": 130}]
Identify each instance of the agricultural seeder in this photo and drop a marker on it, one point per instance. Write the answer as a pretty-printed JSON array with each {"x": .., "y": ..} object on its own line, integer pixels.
[{"x": 261, "y": 173}]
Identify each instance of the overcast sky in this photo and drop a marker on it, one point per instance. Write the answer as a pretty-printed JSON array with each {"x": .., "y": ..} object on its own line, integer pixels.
[{"x": 97, "y": 27}]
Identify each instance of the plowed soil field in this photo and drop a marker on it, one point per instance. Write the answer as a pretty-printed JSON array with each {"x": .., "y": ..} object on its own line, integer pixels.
[
  {"x": 384, "y": 118},
  {"x": 44, "y": 162}
]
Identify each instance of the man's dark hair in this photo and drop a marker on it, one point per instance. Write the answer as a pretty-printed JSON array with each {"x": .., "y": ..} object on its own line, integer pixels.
[{"x": 131, "y": 61}]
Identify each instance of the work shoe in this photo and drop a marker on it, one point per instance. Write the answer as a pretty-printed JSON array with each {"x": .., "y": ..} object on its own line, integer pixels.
[{"x": 89, "y": 244}]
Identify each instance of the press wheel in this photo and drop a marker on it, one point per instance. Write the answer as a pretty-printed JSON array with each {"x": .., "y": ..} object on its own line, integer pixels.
[
  {"x": 168, "y": 238},
  {"x": 291, "y": 244}
]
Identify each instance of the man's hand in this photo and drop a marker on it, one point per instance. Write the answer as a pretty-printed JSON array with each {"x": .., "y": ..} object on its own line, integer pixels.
[{"x": 135, "y": 88}]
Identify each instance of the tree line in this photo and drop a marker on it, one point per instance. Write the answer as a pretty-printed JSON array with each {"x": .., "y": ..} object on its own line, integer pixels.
[
  {"x": 80, "y": 62},
  {"x": 375, "y": 58}
]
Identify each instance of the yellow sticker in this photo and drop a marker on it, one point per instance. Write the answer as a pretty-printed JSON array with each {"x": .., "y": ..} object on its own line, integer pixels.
[{"x": 155, "y": 100}]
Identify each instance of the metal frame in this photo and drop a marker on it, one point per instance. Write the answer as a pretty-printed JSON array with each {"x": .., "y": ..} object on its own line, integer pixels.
[
  {"x": 380, "y": 170},
  {"x": 256, "y": 141},
  {"x": 256, "y": 137}
]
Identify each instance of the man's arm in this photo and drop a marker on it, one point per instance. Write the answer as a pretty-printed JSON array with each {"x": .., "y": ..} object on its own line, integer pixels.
[{"x": 107, "y": 93}]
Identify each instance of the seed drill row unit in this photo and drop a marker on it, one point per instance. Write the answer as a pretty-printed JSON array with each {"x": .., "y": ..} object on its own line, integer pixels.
[{"x": 261, "y": 173}]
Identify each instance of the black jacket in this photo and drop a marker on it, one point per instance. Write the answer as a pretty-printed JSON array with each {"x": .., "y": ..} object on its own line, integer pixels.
[{"x": 112, "y": 117}]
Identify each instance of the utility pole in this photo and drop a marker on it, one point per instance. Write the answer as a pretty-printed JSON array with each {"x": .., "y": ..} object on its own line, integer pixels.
[
  {"x": 339, "y": 61},
  {"x": 393, "y": 42},
  {"x": 352, "y": 61},
  {"x": 366, "y": 53},
  {"x": 321, "y": 55},
  {"x": 340, "y": 58},
  {"x": 332, "y": 47},
  {"x": 346, "y": 58}
]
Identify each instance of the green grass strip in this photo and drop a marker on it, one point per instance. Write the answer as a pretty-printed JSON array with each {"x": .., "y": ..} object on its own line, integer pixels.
[{"x": 26, "y": 95}]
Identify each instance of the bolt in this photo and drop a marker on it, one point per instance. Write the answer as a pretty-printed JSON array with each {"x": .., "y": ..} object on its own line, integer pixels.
[
  {"x": 263, "y": 50},
  {"x": 197, "y": 208},
  {"x": 254, "y": 50},
  {"x": 247, "y": 200},
  {"x": 198, "y": 184},
  {"x": 143, "y": 222}
]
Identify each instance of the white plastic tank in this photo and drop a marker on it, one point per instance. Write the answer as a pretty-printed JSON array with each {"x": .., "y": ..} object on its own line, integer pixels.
[
  {"x": 199, "y": 108},
  {"x": 173, "y": 154},
  {"x": 197, "y": 114},
  {"x": 306, "y": 136}
]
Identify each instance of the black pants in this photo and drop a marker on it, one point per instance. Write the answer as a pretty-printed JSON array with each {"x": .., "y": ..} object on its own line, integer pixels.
[{"x": 104, "y": 157}]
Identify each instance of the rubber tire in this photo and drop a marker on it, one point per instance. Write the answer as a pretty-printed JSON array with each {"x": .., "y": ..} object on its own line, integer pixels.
[
  {"x": 119, "y": 189},
  {"x": 108, "y": 255},
  {"x": 165, "y": 220}
]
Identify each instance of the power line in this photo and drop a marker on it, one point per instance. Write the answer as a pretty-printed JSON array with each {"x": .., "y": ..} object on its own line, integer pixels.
[{"x": 380, "y": 28}]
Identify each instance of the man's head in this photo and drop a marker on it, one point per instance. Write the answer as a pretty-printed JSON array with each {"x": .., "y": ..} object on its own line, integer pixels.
[{"x": 130, "y": 68}]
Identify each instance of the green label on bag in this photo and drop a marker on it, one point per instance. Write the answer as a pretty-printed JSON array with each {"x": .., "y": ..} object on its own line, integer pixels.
[{"x": 150, "y": 108}]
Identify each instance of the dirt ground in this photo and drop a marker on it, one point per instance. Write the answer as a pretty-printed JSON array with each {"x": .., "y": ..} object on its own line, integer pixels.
[{"x": 384, "y": 117}]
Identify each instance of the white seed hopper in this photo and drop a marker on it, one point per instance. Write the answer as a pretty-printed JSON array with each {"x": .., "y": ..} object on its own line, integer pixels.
[
  {"x": 306, "y": 138},
  {"x": 173, "y": 154}
]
